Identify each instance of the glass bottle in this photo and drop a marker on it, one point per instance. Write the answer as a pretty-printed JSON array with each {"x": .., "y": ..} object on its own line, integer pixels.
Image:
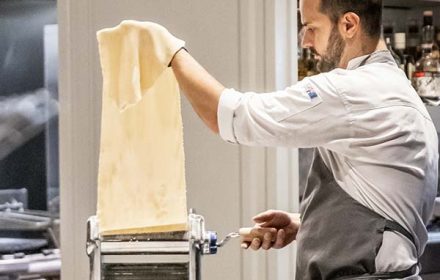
[
  {"x": 399, "y": 48},
  {"x": 429, "y": 31},
  {"x": 392, "y": 51},
  {"x": 388, "y": 30},
  {"x": 413, "y": 47},
  {"x": 410, "y": 66},
  {"x": 426, "y": 78},
  {"x": 437, "y": 36},
  {"x": 407, "y": 63}
]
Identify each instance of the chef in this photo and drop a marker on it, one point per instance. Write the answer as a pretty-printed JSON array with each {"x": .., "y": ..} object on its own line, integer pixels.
[{"x": 373, "y": 180}]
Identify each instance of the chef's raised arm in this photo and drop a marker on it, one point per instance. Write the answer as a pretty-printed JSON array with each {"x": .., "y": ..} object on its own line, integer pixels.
[{"x": 307, "y": 114}]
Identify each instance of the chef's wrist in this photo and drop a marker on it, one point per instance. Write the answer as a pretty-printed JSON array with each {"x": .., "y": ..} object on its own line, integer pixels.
[{"x": 177, "y": 53}]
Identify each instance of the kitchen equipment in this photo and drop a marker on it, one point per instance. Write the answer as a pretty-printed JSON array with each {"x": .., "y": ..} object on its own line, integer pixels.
[
  {"x": 41, "y": 265},
  {"x": 172, "y": 255},
  {"x": 28, "y": 245}
]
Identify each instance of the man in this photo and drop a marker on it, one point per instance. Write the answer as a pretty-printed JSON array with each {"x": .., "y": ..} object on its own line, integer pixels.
[{"x": 373, "y": 180}]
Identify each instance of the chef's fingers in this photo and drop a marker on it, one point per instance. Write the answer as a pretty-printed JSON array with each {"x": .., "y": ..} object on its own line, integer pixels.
[
  {"x": 267, "y": 241},
  {"x": 280, "y": 241},
  {"x": 256, "y": 244},
  {"x": 248, "y": 234},
  {"x": 245, "y": 245}
]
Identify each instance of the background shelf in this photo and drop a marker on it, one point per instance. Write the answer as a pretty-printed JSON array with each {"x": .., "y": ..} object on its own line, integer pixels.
[{"x": 409, "y": 4}]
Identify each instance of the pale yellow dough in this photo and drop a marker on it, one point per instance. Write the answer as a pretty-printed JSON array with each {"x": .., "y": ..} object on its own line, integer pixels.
[{"x": 141, "y": 180}]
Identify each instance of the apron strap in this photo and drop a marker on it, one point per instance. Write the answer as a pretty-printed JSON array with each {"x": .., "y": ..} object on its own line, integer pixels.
[
  {"x": 394, "y": 226},
  {"x": 389, "y": 275}
]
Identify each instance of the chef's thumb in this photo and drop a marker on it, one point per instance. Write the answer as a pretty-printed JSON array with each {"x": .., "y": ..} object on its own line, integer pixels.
[{"x": 264, "y": 217}]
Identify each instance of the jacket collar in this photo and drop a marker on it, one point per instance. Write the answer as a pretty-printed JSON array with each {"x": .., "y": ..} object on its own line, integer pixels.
[{"x": 381, "y": 56}]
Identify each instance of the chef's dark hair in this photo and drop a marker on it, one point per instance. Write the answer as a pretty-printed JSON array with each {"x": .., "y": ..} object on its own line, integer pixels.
[{"x": 369, "y": 11}]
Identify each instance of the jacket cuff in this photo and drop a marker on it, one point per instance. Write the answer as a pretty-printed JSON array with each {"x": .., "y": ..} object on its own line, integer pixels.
[{"x": 229, "y": 101}]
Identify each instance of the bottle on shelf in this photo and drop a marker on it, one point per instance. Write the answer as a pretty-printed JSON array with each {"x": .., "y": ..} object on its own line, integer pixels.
[
  {"x": 426, "y": 78},
  {"x": 392, "y": 51},
  {"x": 407, "y": 63},
  {"x": 429, "y": 31},
  {"x": 413, "y": 42},
  {"x": 437, "y": 36},
  {"x": 410, "y": 66},
  {"x": 306, "y": 64},
  {"x": 399, "y": 48},
  {"x": 388, "y": 30}
]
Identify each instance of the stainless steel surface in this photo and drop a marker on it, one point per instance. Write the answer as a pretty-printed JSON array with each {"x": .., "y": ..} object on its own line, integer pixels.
[
  {"x": 145, "y": 247},
  {"x": 13, "y": 199},
  {"x": 157, "y": 271},
  {"x": 145, "y": 259},
  {"x": 434, "y": 237},
  {"x": 46, "y": 263},
  {"x": 163, "y": 236},
  {"x": 11, "y": 245},
  {"x": 21, "y": 221}
]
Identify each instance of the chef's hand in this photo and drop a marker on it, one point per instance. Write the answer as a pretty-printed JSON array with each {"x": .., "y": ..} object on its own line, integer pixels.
[
  {"x": 276, "y": 229},
  {"x": 161, "y": 40}
]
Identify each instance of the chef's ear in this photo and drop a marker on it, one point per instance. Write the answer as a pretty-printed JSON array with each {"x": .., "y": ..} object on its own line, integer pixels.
[{"x": 349, "y": 25}]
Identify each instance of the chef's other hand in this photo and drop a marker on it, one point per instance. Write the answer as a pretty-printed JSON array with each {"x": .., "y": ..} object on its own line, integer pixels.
[
  {"x": 164, "y": 43},
  {"x": 276, "y": 229}
]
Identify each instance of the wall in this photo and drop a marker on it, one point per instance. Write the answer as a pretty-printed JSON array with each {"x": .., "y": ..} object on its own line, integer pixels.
[{"x": 234, "y": 40}]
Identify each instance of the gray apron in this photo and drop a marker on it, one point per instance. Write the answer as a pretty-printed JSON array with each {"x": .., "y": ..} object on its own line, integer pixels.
[{"x": 339, "y": 238}]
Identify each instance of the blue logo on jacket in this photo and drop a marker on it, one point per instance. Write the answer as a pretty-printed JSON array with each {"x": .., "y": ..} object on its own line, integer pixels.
[{"x": 311, "y": 93}]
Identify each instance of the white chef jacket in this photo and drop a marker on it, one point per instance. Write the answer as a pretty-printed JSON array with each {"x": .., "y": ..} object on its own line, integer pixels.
[{"x": 373, "y": 133}]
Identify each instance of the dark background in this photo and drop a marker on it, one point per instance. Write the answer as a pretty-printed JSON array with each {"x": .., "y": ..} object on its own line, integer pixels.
[{"x": 21, "y": 71}]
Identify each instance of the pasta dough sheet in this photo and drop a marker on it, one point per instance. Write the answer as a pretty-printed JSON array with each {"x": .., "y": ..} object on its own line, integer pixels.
[{"x": 141, "y": 178}]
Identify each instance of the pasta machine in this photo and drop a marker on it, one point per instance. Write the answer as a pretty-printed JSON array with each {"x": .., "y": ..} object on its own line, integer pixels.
[{"x": 171, "y": 256}]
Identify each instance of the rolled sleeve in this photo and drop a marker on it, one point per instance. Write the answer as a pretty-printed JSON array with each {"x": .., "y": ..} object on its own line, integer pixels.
[
  {"x": 307, "y": 114},
  {"x": 229, "y": 102}
]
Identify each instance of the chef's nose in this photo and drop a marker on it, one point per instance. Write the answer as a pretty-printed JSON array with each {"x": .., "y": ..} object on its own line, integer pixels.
[{"x": 307, "y": 40}]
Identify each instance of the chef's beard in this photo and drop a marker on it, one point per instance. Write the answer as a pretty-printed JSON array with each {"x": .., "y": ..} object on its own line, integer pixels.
[{"x": 332, "y": 56}]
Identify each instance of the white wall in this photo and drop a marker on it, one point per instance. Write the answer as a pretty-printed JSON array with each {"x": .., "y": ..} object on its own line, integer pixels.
[{"x": 236, "y": 41}]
